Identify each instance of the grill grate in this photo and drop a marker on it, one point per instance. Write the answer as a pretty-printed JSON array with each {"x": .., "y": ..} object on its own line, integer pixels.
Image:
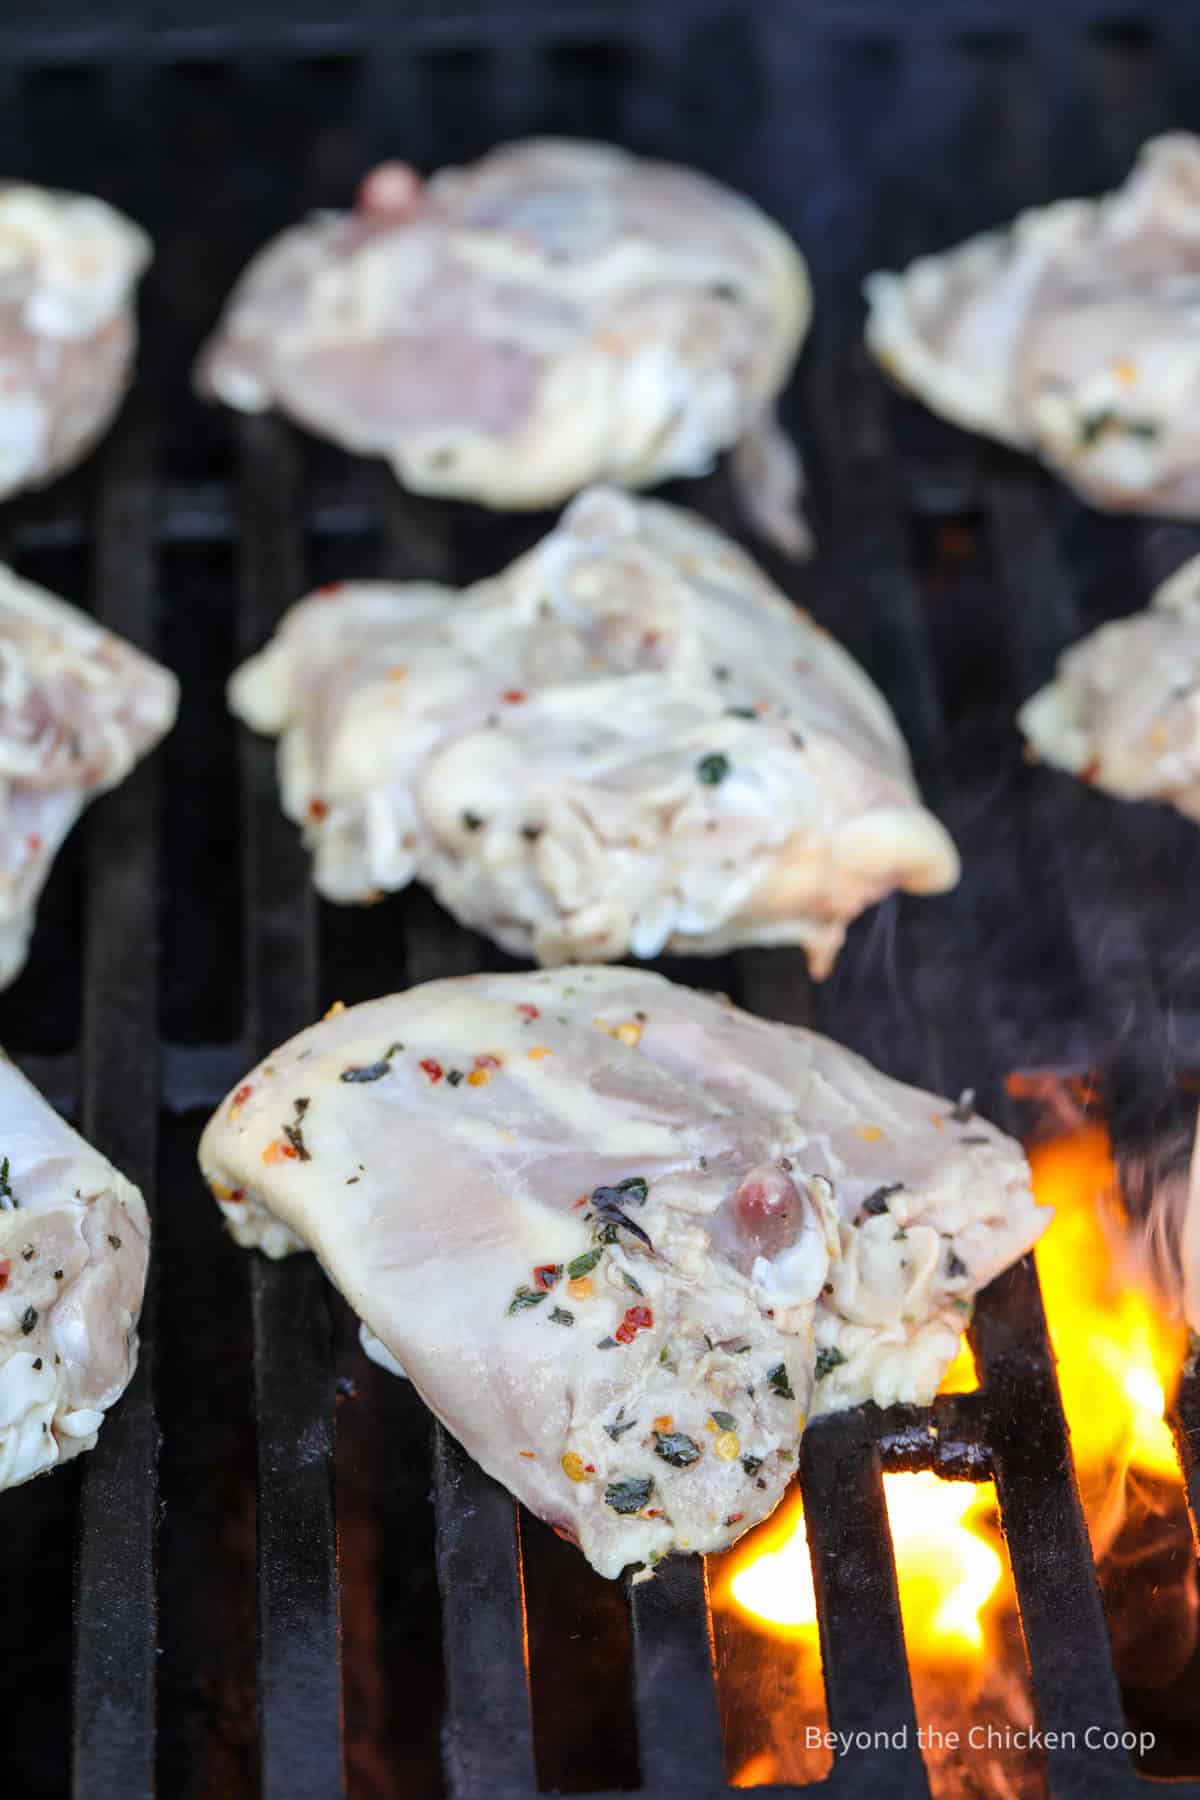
[{"x": 954, "y": 571}]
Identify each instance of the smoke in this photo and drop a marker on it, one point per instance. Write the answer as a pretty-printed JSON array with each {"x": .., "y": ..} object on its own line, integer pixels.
[{"x": 1157, "y": 1239}]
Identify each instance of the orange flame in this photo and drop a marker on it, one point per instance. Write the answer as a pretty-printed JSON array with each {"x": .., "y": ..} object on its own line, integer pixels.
[{"x": 1116, "y": 1362}]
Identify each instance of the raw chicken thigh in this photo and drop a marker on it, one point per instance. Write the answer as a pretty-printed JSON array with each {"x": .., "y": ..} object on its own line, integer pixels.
[
  {"x": 69, "y": 266},
  {"x": 623, "y": 1237},
  {"x": 78, "y": 707},
  {"x": 74, "y": 1239},
  {"x": 628, "y": 741},
  {"x": 558, "y": 313},
  {"x": 1074, "y": 333},
  {"x": 1123, "y": 711}
]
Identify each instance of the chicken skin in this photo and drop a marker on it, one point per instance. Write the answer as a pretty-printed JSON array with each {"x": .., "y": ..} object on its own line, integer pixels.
[
  {"x": 629, "y": 741},
  {"x": 78, "y": 708},
  {"x": 1123, "y": 711},
  {"x": 74, "y": 1240},
  {"x": 1074, "y": 333},
  {"x": 69, "y": 266},
  {"x": 555, "y": 314},
  {"x": 624, "y": 1238}
]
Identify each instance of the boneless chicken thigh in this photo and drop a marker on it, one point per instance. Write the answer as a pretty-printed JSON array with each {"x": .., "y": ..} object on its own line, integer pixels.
[
  {"x": 1074, "y": 333},
  {"x": 556, "y": 314},
  {"x": 627, "y": 741},
  {"x": 1123, "y": 711},
  {"x": 69, "y": 266},
  {"x": 74, "y": 1237},
  {"x": 78, "y": 707},
  {"x": 624, "y": 1238}
]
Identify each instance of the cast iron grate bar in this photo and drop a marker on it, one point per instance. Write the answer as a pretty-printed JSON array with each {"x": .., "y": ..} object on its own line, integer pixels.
[
  {"x": 678, "y": 1723},
  {"x": 299, "y": 1672},
  {"x": 487, "y": 1735},
  {"x": 116, "y": 1602}
]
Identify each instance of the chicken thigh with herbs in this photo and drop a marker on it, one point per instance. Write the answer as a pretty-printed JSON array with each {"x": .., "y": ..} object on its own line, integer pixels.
[
  {"x": 624, "y": 1238},
  {"x": 78, "y": 708},
  {"x": 74, "y": 1240},
  {"x": 1123, "y": 711},
  {"x": 1074, "y": 333},
  {"x": 555, "y": 314},
  {"x": 628, "y": 741},
  {"x": 69, "y": 266}
]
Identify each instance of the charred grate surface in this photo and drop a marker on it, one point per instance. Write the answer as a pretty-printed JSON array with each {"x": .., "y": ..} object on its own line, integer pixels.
[{"x": 954, "y": 571}]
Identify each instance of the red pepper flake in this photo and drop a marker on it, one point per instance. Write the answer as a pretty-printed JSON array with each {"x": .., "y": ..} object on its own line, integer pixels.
[
  {"x": 653, "y": 1512},
  {"x": 545, "y": 1276},
  {"x": 34, "y": 843},
  {"x": 241, "y": 1097},
  {"x": 318, "y": 810},
  {"x": 5, "y": 1268},
  {"x": 638, "y": 1318},
  {"x": 434, "y": 1070},
  {"x": 331, "y": 587},
  {"x": 735, "y": 1518},
  {"x": 1090, "y": 770},
  {"x": 487, "y": 1061},
  {"x": 529, "y": 1012},
  {"x": 277, "y": 1150},
  {"x": 513, "y": 697},
  {"x": 237, "y": 1194},
  {"x": 582, "y": 1201}
]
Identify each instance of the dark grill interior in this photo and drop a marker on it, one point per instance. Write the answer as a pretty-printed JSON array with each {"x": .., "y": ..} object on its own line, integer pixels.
[{"x": 179, "y": 938}]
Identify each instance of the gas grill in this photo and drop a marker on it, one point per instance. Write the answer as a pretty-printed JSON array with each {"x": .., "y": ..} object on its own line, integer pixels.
[{"x": 244, "y": 1626}]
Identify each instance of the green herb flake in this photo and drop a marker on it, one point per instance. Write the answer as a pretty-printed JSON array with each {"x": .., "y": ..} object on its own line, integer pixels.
[
  {"x": 635, "y": 1188},
  {"x": 523, "y": 1298},
  {"x": 631, "y": 1494},
  {"x": 560, "y": 1316},
  {"x": 454, "y": 1076},
  {"x": 828, "y": 1360},
  {"x": 777, "y": 1380},
  {"x": 752, "y": 1464},
  {"x": 627, "y": 1278},
  {"x": 607, "y": 1343},
  {"x": 713, "y": 768},
  {"x": 583, "y": 1265},
  {"x": 677, "y": 1448},
  {"x": 877, "y": 1202},
  {"x": 8, "y": 1200},
  {"x": 976, "y": 1139},
  {"x": 293, "y": 1132},
  {"x": 620, "y": 1426},
  {"x": 365, "y": 1072},
  {"x": 29, "y": 1319},
  {"x": 1094, "y": 425},
  {"x": 956, "y": 1268},
  {"x": 725, "y": 1421}
]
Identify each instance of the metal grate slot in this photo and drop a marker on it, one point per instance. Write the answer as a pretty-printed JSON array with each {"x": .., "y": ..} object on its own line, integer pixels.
[
  {"x": 299, "y": 1663},
  {"x": 116, "y": 1603}
]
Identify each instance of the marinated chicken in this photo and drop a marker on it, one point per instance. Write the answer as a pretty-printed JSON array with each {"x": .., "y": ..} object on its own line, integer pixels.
[
  {"x": 74, "y": 1239},
  {"x": 624, "y": 1238},
  {"x": 69, "y": 266},
  {"x": 627, "y": 742},
  {"x": 1123, "y": 711},
  {"x": 78, "y": 707},
  {"x": 1074, "y": 333},
  {"x": 556, "y": 314}
]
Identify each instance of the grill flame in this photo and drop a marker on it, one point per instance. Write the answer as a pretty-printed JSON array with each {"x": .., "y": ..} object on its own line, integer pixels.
[{"x": 1117, "y": 1362}]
